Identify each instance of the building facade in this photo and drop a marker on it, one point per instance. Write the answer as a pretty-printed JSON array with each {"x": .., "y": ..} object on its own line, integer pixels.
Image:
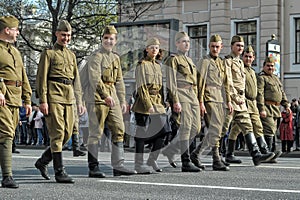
[{"x": 255, "y": 20}]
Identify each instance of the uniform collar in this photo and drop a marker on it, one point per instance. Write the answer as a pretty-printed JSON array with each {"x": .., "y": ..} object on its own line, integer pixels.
[
  {"x": 58, "y": 46},
  {"x": 150, "y": 59},
  {"x": 213, "y": 57},
  {"x": 103, "y": 50},
  {"x": 234, "y": 56}
]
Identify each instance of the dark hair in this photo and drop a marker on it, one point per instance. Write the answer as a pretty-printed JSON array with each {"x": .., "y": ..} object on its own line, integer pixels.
[{"x": 159, "y": 56}]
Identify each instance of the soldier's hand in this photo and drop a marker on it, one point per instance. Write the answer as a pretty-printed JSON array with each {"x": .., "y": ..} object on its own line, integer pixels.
[
  {"x": 263, "y": 114},
  {"x": 110, "y": 101},
  {"x": 151, "y": 110},
  {"x": 44, "y": 108},
  {"x": 28, "y": 109},
  {"x": 81, "y": 109},
  {"x": 2, "y": 100},
  {"x": 230, "y": 107},
  {"x": 124, "y": 108},
  {"x": 202, "y": 109},
  {"x": 177, "y": 107}
]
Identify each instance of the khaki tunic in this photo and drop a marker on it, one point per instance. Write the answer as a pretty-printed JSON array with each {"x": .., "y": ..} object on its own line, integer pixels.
[
  {"x": 149, "y": 87},
  {"x": 181, "y": 82},
  {"x": 12, "y": 69},
  {"x": 105, "y": 79},
  {"x": 240, "y": 116},
  {"x": 213, "y": 80},
  {"x": 250, "y": 94},
  {"x": 58, "y": 63},
  {"x": 270, "y": 89}
]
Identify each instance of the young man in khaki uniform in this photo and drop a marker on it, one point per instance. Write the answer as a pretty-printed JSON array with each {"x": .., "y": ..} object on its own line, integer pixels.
[
  {"x": 58, "y": 88},
  {"x": 212, "y": 81},
  {"x": 240, "y": 116},
  {"x": 270, "y": 95},
  {"x": 183, "y": 90},
  {"x": 248, "y": 57},
  {"x": 14, "y": 87},
  {"x": 105, "y": 98}
]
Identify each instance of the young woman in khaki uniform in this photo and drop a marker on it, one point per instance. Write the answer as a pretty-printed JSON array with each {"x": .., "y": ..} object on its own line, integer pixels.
[{"x": 149, "y": 108}]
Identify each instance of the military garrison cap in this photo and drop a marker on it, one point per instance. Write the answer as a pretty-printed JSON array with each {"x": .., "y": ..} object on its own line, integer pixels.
[
  {"x": 237, "y": 38},
  {"x": 215, "y": 38},
  {"x": 249, "y": 49},
  {"x": 8, "y": 21},
  {"x": 152, "y": 41},
  {"x": 269, "y": 59},
  {"x": 180, "y": 35},
  {"x": 110, "y": 30},
  {"x": 64, "y": 25}
]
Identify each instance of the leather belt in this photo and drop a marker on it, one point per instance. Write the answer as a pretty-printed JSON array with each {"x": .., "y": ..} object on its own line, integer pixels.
[
  {"x": 153, "y": 92},
  {"x": 185, "y": 85},
  {"x": 109, "y": 83},
  {"x": 272, "y": 103},
  {"x": 61, "y": 80},
  {"x": 15, "y": 83}
]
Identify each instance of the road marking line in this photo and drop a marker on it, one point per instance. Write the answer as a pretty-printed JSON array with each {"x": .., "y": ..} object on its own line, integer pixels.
[{"x": 201, "y": 186}]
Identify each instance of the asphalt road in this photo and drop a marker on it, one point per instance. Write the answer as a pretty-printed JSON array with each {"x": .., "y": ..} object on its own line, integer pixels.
[{"x": 243, "y": 181}]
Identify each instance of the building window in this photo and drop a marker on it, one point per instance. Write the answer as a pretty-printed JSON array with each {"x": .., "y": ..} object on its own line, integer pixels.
[
  {"x": 198, "y": 37},
  {"x": 248, "y": 29},
  {"x": 297, "y": 41}
]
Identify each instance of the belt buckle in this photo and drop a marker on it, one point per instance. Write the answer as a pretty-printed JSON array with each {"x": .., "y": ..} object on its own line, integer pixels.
[
  {"x": 65, "y": 81},
  {"x": 18, "y": 83}
]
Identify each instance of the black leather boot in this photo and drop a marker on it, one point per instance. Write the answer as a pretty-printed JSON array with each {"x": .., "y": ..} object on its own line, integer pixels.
[
  {"x": 117, "y": 160},
  {"x": 61, "y": 175},
  {"x": 76, "y": 147},
  {"x": 170, "y": 152},
  {"x": 152, "y": 159},
  {"x": 222, "y": 148},
  {"x": 254, "y": 151},
  {"x": 218, "y": 165},
  {"x": 42, "y": 163},
  {"x": 139, "y": 165},
  {"x": 6, "y": 164},
  {"x": 230, "y": 158},
  {"x": 195, "y": 157},
  {"x": 187, "y": 165},
  {"x": 94, "y": 170},
  {"x": 264, "y": 147}
]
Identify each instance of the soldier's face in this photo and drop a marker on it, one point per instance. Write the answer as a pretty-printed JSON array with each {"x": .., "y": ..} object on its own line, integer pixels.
[
  {"x": 215, "y": 48},
  {"x": 63, "y": 37},
  {"x": 237, "y": 48},
  {"x": 12, "y": 34},
  {"x": 152, "y": 50},
  {"x": 248, "y": 58},
  {"x": 269, "y": 68},
  {"x": 183, "y": 44},
  {"x": 109, "y": 41}
]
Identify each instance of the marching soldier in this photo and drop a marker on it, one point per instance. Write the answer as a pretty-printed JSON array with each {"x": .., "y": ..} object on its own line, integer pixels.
[
  {"x": 241, "y": 117},
  {"x": 212, "y": 79},
  {"x": 270, "y": 95},
  {"x": 248, "y": 57},
  {"x": 149, "y": 109},
  {"x": 14, "y": 87},
  {"x": 58, "y": 86},
  {"x": 183, "y": 89},
  {"x": 105, "y": 98}
]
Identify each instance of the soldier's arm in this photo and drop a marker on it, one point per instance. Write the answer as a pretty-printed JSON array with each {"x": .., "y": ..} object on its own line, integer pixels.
[
  {"x": 171, "y": 71},
  {"x": 77, "y": 84},
  {"x": 232, "y": 91},
  {"x": 284, "y": 102},
  {"x": 42, "y": 74},
  {"x": 141, "y": 85},
  {"x": 202, "y": 74},
  {"x": 120, "y": 86},
  {"x": 94, "y": 74},
  {"x": 260, "y": 93},
  {"x": 26, "y": 89}
]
